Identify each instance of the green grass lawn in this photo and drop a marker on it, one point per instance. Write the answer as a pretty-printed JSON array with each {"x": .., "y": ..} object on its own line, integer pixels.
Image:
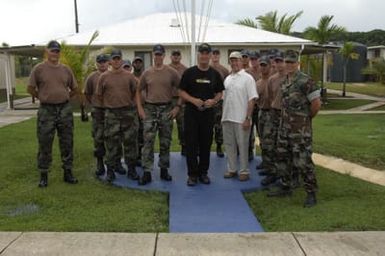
[
  {"x": 87, "y": 206},
  {"x": 344, "y": 104},
  {"x": 357, "y": 138},
  {"x": 344, "y": 204},
  {"x": 373, "y": 89}
]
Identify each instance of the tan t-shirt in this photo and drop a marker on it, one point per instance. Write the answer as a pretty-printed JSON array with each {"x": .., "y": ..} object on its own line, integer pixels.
[
  {"x": 53, "y": 83},
  {"x": 180, "y": 69},
  {"x": 90, "y": 89},
  {"x": 117, "y": 88},
  {"x": 254, "y": 73},
  {"x": 159, "y": 84},
  {"x": 275, "y": 91},
  {"x": 263, "y": 100},
  {"x": 223, "y": 71}
]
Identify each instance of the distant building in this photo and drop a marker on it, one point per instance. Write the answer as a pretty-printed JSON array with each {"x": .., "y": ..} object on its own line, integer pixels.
[{"x": 376, "y": 52}]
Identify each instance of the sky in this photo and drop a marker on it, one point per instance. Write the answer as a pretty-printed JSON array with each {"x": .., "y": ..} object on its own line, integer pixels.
[{"x": 38, "y": 21}]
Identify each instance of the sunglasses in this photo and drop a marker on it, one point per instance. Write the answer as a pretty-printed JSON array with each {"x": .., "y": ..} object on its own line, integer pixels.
[{"x": 55, "y": 50}]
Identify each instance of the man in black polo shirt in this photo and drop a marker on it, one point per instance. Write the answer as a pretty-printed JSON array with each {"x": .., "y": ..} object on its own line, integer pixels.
[{"x": 201, "y": 88}]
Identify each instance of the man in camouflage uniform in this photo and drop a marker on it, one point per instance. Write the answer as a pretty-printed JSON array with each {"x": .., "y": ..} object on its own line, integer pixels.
[
  {"x": 265, "y": 124},
  {"x": 255, "y": 72},
  {"x": 180, "y": 68},
  {"x": 53, "y": 84},
  {"x": 116, "y": 88},
  {"x": 275, "y": 96},
  {"x": 97, "y": 111},
  {"x": 300, "y": 103},
  {"x": 158, "y": 84},
  {"x": 138, "y": 67},
  {"x": 224, "y": 72}
]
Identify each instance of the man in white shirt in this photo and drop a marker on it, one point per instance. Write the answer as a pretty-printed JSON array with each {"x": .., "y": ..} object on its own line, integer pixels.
[{"x": 238, "y": 104}]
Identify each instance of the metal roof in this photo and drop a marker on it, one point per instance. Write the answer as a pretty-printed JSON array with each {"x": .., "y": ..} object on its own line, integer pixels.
[{"x": 157, "y": 28}]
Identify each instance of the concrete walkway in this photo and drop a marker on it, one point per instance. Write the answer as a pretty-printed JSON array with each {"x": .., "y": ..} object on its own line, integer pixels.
[{"x": 184, "y": 244}]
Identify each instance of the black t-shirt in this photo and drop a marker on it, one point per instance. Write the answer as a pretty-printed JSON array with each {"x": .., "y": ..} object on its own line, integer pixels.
[{"x": 201, "y": 84}]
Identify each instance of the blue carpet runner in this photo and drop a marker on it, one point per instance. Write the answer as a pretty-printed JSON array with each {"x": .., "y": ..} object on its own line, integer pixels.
[{"x": 218, "y": 207}]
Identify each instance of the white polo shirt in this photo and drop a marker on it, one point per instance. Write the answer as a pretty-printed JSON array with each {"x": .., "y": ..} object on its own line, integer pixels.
[{"x": 240, "y": 88}]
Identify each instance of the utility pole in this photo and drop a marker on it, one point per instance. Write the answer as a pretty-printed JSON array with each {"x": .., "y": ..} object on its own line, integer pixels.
[
  {"x": 76, "y": 17},
  {"x": 193, "y": 53}
]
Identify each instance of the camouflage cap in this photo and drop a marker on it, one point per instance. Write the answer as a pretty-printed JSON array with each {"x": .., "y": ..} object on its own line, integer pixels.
[
  {"x": 205, "y": 47},
  {"x": 291, "y": 56},
  {"x": 116, "y": 53},
  {"x": 235, "y": 55},
  {"x": 254, "y": 55},
  {"x": 126, "y": 63},
  {"x": 279, "y": 55}
]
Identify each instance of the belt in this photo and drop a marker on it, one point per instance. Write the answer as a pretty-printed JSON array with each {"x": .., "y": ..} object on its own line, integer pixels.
[
  {"x": 54, "y": 104},
  {"x": 158, "y": 103}
]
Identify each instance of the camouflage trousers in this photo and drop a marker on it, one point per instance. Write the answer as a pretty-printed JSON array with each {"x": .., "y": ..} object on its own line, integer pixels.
[
  {"x": 253, "y": 123},
  {"x": 218, "y": 133},
  {"x": 180, "y": 125},
  {"x": 268, "y": 128},
  {"x": 140, "y": 138},
  {"x": 121, "y": 126},
  {"x": 98, "y": 116},
  {"x": 294, "y": 151},
  {"x": 156, "y": 122},
  {"x": 52, "y": 118}
]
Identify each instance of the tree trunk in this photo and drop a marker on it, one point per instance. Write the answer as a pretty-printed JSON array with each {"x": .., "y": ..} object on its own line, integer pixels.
[{"x": 344, "y": 82}]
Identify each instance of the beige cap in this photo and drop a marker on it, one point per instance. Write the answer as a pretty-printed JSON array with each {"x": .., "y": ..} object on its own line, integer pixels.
[{"x": 235, "y": 55}]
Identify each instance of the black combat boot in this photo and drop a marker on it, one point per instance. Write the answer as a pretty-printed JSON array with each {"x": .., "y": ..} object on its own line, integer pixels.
[
  {"x": 269, "y": 179},
  {"x": 132, "y": 174},
  {"x": 110, "y": 175},
  {"x": 310, "y": 200},
  {"x": 119, "y": 168},
  {"x": 43, "y": 180},
  {"x": 146, "y": 178},
  {"x": 164, "y": 174},
  {"x": 219, "y": 150},
  {"x": 183, "y": 150},
  {"x": 100, "y": 169},
  {"x": 69, "y": 178}
]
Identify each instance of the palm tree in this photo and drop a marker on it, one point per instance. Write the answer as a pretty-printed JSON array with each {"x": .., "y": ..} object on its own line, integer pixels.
[
  {"x": 324, "y": 30},
  {"x": 347, "y": 52},
  {"x": 271, "y": 22},
  {"x": 78, "y": 62},
  {"x": 247, "y": 22},
  {"x": 322, "y": 34}
]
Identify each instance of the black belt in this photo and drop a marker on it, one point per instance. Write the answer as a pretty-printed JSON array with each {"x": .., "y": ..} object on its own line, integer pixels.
[
  {"x": 54, "y": 104},
  {"x": 158, "y": 103}
]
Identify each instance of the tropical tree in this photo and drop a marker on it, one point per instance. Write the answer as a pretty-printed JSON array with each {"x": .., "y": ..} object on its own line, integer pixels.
[
  {"x": 247, "y": 22},
  {"x": 324, "y": 30},
  {"x": 271, "y": 22},
  {"x": 347, "y": 52},
  {"x": 77, "y": 60},
  {"x": 376, "y": 68}
]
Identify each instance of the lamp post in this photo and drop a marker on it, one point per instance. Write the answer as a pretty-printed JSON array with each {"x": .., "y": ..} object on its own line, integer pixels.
[{"x": 76, "y": 17}]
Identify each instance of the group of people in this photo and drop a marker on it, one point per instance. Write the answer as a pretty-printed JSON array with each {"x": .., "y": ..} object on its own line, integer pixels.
[{"x": 130, "y": 107}]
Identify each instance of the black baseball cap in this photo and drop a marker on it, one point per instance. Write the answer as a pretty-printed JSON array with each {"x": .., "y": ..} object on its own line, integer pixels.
[
  {"x": 254, "y": 54},
  {"x": 137, "y": 58},
  {"x": 245, "y": 52},
  {"x": 116, "y": 53},
  {"x": 264, "y": 59},
  {"x": 102, "y": 58},
  {"x": 176, "y": 51},
  {"x": 272, "y": 53},
  {"x": 279, "y": 55},
  {"x": 158, "y": 48},
  {"x": 126, "y": 63},
  {"x": 53, "y": 45},
  {"x": 205, "y": 47}
]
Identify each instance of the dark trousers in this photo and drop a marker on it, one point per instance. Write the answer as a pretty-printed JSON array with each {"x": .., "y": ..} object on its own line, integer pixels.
[{"x": 199, "y": 136}]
